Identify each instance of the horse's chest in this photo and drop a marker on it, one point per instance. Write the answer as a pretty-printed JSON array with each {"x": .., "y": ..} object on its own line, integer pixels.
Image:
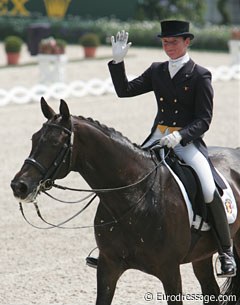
[{"x": 127, "y": 236}]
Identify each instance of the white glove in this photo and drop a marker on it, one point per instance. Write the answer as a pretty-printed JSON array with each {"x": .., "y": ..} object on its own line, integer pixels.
[
  {"x": 120, "y": 46},
  {"x": 171, "y": 140}
]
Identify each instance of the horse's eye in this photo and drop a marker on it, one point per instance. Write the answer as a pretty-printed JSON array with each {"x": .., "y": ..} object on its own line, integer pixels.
[{"x": 55, "y": 143}]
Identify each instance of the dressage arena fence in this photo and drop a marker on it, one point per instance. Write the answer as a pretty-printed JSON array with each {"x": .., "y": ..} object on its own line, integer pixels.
[{"x": 94, "y": 87}]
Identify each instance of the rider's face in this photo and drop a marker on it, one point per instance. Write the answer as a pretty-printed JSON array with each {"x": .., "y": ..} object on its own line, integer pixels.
[{"x": 175, "y": 47}]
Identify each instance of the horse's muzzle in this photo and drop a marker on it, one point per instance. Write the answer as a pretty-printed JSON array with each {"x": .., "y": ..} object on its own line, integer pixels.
[{"x": 22, "y": 190}]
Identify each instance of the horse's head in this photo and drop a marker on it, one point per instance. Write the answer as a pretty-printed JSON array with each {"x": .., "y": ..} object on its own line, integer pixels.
[{"x": 50, "y": 156}]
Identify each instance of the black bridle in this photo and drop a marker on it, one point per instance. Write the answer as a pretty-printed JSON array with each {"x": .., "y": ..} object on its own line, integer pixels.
[{"x": 50, "y": 174}]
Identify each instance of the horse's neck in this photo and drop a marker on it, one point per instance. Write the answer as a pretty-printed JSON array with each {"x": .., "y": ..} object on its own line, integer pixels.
[{"x": 107, "y": 161}]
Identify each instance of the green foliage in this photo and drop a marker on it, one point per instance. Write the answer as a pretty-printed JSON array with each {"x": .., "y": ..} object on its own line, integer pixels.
[
  {"x": 13, "y": 26},
  {"x": 61, "y": 43},
  {"x": 222, "y": 8},
  {"x": 141, "y": 33},
  {"x": 13, "y": 44},
  {"x": 171, "y": 9},
  {"x": 89, "y": 40},
  {"x": 211, "y": 38}
]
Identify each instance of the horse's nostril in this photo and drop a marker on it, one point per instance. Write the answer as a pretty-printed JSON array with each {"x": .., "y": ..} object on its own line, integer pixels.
[
  {"x": 19, "y": 188},
  {"x": 22, "y": 187}
]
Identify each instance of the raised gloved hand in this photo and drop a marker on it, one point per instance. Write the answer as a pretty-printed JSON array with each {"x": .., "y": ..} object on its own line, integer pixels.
[
  {"x": 171, "y": 140},
  {"x": 120, "y": 46}
]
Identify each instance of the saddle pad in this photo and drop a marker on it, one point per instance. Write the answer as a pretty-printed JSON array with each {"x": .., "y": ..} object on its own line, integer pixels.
[{"x": 228, "y": 200}]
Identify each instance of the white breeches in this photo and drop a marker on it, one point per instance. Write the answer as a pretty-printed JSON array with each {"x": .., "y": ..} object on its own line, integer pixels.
[{"x": 194, "y": 158}]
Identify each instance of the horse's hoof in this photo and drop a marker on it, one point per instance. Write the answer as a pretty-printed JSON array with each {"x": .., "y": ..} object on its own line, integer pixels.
[{"x": 92, "y": 262}]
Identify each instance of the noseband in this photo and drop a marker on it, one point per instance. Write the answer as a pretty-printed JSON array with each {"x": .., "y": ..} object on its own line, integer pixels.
[{"x": 50, "y": 174}]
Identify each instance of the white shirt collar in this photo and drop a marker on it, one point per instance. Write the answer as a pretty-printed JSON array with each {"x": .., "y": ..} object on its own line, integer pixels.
[
  {"x": 179, "y": 61},
  {"x": 174, "y": 65}
]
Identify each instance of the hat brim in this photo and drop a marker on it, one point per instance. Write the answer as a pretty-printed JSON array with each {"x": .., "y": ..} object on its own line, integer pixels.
[{"x": 185, "y": 34}]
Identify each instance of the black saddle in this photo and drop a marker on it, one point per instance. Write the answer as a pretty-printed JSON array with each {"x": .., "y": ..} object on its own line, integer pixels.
[
  {"x": 191, "y": 183},
  {"x": 188, "y": 177}
]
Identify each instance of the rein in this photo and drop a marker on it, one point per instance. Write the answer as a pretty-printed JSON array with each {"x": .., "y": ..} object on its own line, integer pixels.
[
  {"x": 108, "y": 190},
  {"x": 120, "y": 188},
  {"x": 50, "y": 174},
  {"x": 53, "y": 226}
]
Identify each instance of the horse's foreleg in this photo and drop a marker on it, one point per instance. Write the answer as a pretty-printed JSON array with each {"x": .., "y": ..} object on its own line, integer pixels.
[
  {"x": 204, "y": 272},
  {"x": 172, "y": 283},
  {"x": 108, "y": 273}
]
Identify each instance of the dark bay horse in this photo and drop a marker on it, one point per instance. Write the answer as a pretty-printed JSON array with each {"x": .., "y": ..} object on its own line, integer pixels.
[{"x": 144, "y": 226}]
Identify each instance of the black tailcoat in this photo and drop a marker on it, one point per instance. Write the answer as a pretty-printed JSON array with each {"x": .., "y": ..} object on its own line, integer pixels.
[{"x": 184, "y": 101}]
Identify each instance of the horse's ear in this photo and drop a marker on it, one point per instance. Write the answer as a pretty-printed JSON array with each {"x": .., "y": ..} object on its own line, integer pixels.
[
  {"x": 64, "y": 110},
  {"x": 46, "y": 109}
]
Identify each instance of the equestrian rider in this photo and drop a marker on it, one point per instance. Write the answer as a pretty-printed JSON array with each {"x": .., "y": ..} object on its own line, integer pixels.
[{"x": 184, "y": 96}]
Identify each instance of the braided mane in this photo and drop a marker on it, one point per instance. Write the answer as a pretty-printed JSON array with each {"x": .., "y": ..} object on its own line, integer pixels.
[{"x": 108, "y": 130}]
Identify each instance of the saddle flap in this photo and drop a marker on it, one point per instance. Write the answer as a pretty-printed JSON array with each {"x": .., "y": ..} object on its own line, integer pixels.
[{"x": 192, "y": 185}]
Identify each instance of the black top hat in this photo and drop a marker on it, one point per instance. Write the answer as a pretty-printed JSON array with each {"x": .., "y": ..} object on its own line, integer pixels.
[{"x": 175, "y": 28}]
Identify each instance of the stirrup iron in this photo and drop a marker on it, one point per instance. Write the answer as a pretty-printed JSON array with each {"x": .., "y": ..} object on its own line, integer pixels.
[
  {"x": 92, "y": 261},
  {"x": 222, "y": 274}
]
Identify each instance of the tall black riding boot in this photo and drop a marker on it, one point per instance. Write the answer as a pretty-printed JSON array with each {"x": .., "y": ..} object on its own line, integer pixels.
[{"x": 220, "y": 226}]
